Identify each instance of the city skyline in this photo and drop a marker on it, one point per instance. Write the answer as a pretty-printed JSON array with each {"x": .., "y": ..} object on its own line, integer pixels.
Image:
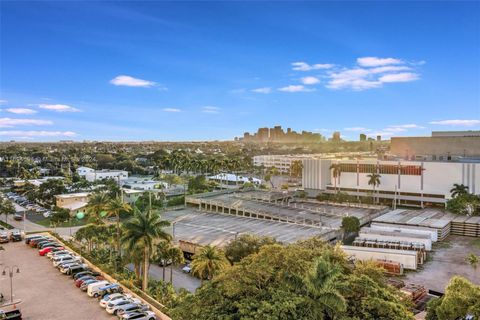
[{"x": 212, "y": 71}]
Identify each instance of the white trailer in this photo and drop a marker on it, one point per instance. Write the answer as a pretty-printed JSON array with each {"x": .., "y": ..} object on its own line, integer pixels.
[
  {"x": 405, "y": 228},
  {"x": 384, "y": 235},
  {"x": 407, "y": 258}
]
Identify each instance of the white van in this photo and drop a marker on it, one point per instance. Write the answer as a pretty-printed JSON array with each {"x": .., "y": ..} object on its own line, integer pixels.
[{"x": 93, "y": 288}]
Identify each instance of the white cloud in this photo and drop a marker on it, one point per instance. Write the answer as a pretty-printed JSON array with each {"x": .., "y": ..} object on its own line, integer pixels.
[
  {"x": 310, "y": 80},
  {"x": 32, "y": 134},
  {"x": 466, "y": 123},
  {"x": 394, "y": 129},
  {"x": 399, "y": 77},
  {"x": 355, "y": 79},
  {"x": 407, "y": 126},
  {"x": 380, "y": 133},
  {"x": 210, "y": 109},
  {"x": 295, "y": 88},
  {"x": 58, "y": 107},
  {"x": 389, "y": 69},
  {"x": 21, "y": 110},
  {"x": 377, "y": 62},
  {"x": 9, "y": 122},
  {"x": 128, "y": 81},
  {"x": 356, "y": 129},
  {"x": 171, "y": 110},
  {"x": 303, "y": 66},
  {"x": 3, "y": 101},
  {"x": 262, "y": 90}
]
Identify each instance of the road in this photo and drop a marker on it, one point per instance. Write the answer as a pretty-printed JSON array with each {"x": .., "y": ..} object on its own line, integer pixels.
[
  {"x": 30, "y": 226},
  {"x": 180, "y": 279}
]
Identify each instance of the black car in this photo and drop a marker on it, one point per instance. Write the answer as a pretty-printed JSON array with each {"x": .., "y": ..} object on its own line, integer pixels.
[
  {"x": 49, "y": 244},
  {"x": 16, "y": 236},
  {"x": 87, "y": 272},
  {"x": 30, "y": 238},
  {"x": 77, "y": 269},
  {"x": 18, "y": 217}
]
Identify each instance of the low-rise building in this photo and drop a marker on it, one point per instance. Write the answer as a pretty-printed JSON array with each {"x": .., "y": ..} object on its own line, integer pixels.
[
  {"x": 416, "y": 183},
  {"x": 74, "y": 202},
  {"x": 104, "y": 174},
  {"x": 36, "y": 182},
  {"x": 233, "y": 180}
]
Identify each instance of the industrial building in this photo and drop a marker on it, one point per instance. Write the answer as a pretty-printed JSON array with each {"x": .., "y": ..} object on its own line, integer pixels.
[
  {"x": 414, "y": 183},
  {"x": 93, "y": 175},
  {"x": 441, "y": 146}
]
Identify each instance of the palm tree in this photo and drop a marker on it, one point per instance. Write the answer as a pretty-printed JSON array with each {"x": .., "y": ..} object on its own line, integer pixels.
[
  {"x": 144, "y": 230},
  {"x": 336, "y": 172},
  {"x": 473, "y": 260},
  {"x": 321, "y": 286},
  {"x": 96, "y": 205},
  {"x": 458, "y": 190},
  {"x": 374, "y": 180},
  {"x": 175, "y": 255},
  {"x": 208, "y": 262},
  {"x": 114, "y": 207},
  {"x": 161, "y": 255},
  {"x": 296, "y": 168}
]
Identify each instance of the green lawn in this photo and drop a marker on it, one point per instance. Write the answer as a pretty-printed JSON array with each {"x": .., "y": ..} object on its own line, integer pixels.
[{"x": 75, "y": 223}]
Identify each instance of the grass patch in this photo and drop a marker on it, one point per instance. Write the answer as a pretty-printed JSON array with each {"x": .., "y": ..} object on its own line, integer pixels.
[
  {"x": 75, "y": 223},
  {"x": 6, "y": 225},
  {"x": 476, "y": 243}
]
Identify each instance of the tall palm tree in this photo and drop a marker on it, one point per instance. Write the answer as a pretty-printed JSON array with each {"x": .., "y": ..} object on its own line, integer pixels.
[
  {"x": 458, "y": 190},
  {"x": 114, "y": 207},
  {"x": 175, "y": 255},
  {"x": 161, "y": 255},
  {"x": 374, "y": 180},
  {"x": 322, "y": 288},
  {"x": 144, "y": 230},
  {"x": 96, "y": 205},
  {"x": 208, "y": 262},
  {"x": 336, "y": 172}
]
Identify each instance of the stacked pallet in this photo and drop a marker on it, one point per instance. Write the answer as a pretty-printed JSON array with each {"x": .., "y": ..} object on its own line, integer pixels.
[{"x": 466, "y": 226}]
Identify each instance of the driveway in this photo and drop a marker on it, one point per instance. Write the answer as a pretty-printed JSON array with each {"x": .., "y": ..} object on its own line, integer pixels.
[
  {"x": 45, "y": 293},
  {"x": 30, "y": 226},
  {"x": 180, "y": 278}
]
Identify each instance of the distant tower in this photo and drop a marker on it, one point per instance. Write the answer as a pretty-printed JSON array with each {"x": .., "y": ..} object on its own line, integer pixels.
[
  {"x": 363, "y": 137},
  {"x": 379, "y": 138},
  {"x": 336, "y": 136}
]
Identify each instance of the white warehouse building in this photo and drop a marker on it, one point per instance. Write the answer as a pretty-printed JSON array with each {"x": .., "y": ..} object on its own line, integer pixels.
[
  {"x": 281, "y": 162},
  {"x": 116, "y": 175},
  {"x": 416, "y": 183}
]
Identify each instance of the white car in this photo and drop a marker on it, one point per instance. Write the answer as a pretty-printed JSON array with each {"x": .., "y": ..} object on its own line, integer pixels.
[
  {"x": 111, "y": 297},
  {"x": 187, "y": 268},
  {"x": 51, "y": 255},
  {"x": 141, "y": 315},
  {"x": 113, "y": 306},
  {"x": 58, "y": 260}
]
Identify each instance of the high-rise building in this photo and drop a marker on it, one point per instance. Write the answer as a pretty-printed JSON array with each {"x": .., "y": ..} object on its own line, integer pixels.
[
  {"x": 336, "y": 136},
  {"x": 363, "y": 137},
  {"x": 379, "y": 138}
]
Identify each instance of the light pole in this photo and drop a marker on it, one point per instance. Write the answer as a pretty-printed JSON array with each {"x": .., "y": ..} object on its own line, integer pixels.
[{"x": 10, "y": 274}]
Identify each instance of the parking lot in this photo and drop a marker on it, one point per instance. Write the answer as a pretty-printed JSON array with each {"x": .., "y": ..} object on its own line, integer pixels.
[{"x": 45, "y": 293}]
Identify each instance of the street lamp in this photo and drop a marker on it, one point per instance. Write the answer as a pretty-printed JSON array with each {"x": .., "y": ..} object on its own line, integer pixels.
[{"x": 10, "y": 274}]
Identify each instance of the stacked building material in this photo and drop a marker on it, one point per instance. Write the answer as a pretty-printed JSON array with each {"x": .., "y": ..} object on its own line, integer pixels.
[
  {"x": 396, "y": 236},
  {"x": 466, "y": 226},
  {"x": 407, "y": 258}
]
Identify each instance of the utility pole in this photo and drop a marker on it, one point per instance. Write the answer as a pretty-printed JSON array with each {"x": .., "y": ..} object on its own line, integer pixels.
[{"x": 10, "y": 274}]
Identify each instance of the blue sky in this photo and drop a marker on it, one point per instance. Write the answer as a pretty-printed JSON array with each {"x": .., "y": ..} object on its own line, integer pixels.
[{"x": 212, "y": 70}]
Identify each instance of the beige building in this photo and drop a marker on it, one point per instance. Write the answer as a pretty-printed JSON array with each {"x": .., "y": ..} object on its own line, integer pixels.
[
  {"x": 441, "y": 146},
  {"x": 74, "y": 202}
]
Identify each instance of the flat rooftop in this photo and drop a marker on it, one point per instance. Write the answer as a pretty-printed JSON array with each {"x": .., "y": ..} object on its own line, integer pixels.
[{"x": 217, "y": 229}]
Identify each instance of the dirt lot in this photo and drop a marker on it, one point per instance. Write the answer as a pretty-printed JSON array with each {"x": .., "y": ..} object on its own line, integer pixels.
[
  {"x": 46, "y": 294},
  {"x": 447, "y": 260}
]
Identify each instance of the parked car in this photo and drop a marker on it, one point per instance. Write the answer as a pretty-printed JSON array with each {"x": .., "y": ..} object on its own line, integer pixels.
[
  {"x": 52, "y": 254},
  {"x": 111, "y": 297},
  {"x": 131, "y": 307},
  {"x": 109, "y": 289},
  {"x": 16, "y": 236},
  {"x": 114, "y": 306},
  {"x": 32, "y": 237},
  {"x": 93, "y": 289},
  {"x": 66, "y": 258},
  {"x": 84, "y": 285},
  {"x": 64, "y": 267},
  {"x": 187, "y": 268},
  {"x": 143, "y": 315},
  {"x": 46, "y": 250},
  {"x": 4, "y": 237},
  {"x": 81, "y": 280},
  {"x": 77, "y": 269},
  {"x": 87, "y": 272}
]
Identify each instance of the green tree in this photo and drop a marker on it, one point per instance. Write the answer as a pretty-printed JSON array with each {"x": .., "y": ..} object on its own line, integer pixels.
[
  {"x": 175, "y": 255},
  {"x": 97, "y": 204},
  {"x": 336, "y": 172},
  {"x": 350, "y": 224},
  {"x": 144, "y": 230},
  {"x": 464, "y": 204},
  {"x": 7, "y": 208},
  {"x": 461, "y": 299},
  {"x": 208, "y": 262},
  {"x": 321, "y": 289},
  {"x": 473, "y": 260},
  {"x": 458, "y": 190},
  {"x": 161, "y": 255},
  {"x": 114, "y": 208},
  {"x": 245, "y": 245},
  {"x": 374, "y": 181},
  {"x": 296, "y": 168}
]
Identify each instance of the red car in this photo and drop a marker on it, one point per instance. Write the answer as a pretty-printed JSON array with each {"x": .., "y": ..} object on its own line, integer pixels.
[
  {"x": 79, "y": 282},
  {"x": 46, "y": 250}
]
